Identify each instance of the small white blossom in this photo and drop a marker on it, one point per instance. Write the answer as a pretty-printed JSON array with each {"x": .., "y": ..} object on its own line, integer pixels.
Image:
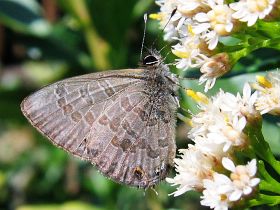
[
  {"x": 211, "y": 147},
  {"x": 166, "y": 8},
  {"x": 268, "y": 89},
  {"x": 214, "y": 23},
  {"x": 213, "y": 68},
  {"x": 229, "y": 133},
  {"x": 251, "y": 10},
  {"x": 209, "y": 81},
  {"x": 243, "y": 178},
  {"x": 192, "y": 167},
  {"x": 189, "y": 53},
  {"x": 191, "y": 7},
  {"x": 200, "y": 122},
  {"x": 217, "y": 192},
  {"x": 237, "y": 105},
  {"x": 220, "y": 123},
  {"x": 246, "y": 102}
]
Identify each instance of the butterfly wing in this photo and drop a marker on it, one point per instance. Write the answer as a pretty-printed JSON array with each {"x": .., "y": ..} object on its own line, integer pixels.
[
  {"x": 102, "y": 117},
  {"x": 140, "y": 150}
]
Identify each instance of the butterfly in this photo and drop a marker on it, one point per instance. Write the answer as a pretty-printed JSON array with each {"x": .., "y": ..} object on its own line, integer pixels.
[{"x": 122, "y": 121}]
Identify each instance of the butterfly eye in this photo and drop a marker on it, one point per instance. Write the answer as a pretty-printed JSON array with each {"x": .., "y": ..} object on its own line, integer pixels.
[{"x": 150, "y": 60}]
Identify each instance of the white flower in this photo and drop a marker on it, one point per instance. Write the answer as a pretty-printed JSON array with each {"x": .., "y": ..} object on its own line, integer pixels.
[
  {"x": 192, "y": 167},
  {"x": 200, "y": 122},
  {"x": 191, "y": 7},
  {"x": 209, "y": 81},
  {"x": 268, "y": 100},
  {"x": 251, "y": 10},
  {"x": 189, "y": 53},
  {"x": 246, "y": 103},
  {"x": 237, "y": 105},
  {"x": 211, "y": 147},
  {"x": 229, "y": 133},
  {"x": 217, "y": 192},
  {"x": 243, "y": 178},
  {"x": 220, "y": 122},
  {"x": 227, "y": 102},
  {"x": 213, "y": 68},
  {"x": 166, "y": 8},
  {"x": 214, "y": 23}
]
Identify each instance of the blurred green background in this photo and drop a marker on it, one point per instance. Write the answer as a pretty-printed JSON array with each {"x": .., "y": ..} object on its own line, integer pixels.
[{"x": 44, "y": 41}]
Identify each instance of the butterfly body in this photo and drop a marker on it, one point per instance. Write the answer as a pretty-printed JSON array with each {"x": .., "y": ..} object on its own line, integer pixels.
[{"x": 122, "y": 121}]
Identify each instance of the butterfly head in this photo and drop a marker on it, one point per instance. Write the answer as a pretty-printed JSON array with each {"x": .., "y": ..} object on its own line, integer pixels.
[{"x": 152, "y": 59}]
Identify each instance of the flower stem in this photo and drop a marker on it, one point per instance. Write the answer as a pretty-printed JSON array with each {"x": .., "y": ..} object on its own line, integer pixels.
[
  {"x": 270, "y": 29},
  {"x": 264, "y": 199},
  {"x": 268, "y": 187},
  {"x": 265, "y": 175},
  {"x": 97, "y": 47},
  {"x": 260, "y": 146},
  {"x": 252, "y": 45}
]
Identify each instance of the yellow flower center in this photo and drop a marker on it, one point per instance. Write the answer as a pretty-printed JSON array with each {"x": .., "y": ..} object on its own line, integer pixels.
[{"x": 223, "y": 197}]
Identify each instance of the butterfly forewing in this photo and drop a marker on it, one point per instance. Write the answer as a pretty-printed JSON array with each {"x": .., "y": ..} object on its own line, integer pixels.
[{"x": 108, "y": 119}]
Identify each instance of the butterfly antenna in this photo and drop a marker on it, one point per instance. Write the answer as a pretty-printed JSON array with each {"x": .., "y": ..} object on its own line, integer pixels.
[
  {"x": 144, "y": 34},
  {"x": 172, "y": 14}
]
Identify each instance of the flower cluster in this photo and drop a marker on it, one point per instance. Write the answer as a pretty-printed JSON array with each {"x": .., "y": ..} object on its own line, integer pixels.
[
  {"x": 217, "y": 132},
  {"x": 197, "y": 26},
  {"x": 269, "y": 93}
]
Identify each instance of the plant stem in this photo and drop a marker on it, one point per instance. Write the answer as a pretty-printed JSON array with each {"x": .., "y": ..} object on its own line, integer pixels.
[
  {"x": 261, "y": 147},
  {"x": 264, "y": 174},
  {"x": 98, "y": 48},
  {"x": 265, "y": 186},
  {"x": 264, "y": 199}
]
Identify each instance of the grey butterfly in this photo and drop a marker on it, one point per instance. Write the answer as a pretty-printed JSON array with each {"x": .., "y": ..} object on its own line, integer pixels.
[{"x": 121, "y": 121}]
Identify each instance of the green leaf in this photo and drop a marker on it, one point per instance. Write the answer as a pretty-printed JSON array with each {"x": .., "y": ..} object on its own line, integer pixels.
[
  {"x": 112, "y": 19},
  {"x": 24, "y": 16},
  {"x": 229, "y": 40},
  {"x": 271, "y": 132}
]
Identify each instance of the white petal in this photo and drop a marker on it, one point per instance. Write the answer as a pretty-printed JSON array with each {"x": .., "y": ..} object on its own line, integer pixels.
[
  {"x": 242, "y": 123},
  {"x": 247, "y": 190},
  {"x": 236, "y": 195},
  {"x": 190, "y": 5},
  {"x": 182, "y": 64},
  {"x": 228, "y": 164},
  {"x": 235, "y": 6},
  {"x": 219, "y": 2},
  {"x": 246, "y": 90},
  {"x": 169, "y": 180},
  {"x": 229, "y": 27},
  {"x": 222, "y": 178},
  {"x": 252, "y": 20},
  {"x": 252, "y": 167},
  {"x": 239, "y": 14},
  {"x": 201, "y": 28},
  {"x": 224, "y": 189},
  {"x": 213, "y": 43},
  {"x": 253, "y": 98},
  {"x": 180, "y": 23},
  {"x": 175, "y": 17},
  {"x": 201, "y": 17},
  {"x": 227, "y": 146},
  {"x": 254, "y": 182}
]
